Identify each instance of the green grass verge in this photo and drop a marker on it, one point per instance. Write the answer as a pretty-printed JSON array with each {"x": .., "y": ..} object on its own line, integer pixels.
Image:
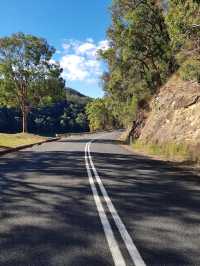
[
  {"x": 170, "y": 151},
  {"x": 15, "y": 140}
]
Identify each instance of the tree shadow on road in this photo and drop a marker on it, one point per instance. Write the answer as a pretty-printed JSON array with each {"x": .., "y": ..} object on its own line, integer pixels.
[
  {"x": 48, "y": 216},
  {"x": 159, "y": 203},
  {"x": 47, "y": 213}
]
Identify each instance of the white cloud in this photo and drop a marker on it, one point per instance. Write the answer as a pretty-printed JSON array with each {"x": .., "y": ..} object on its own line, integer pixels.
[
  {"x": 74, "y": 67},
  {"x": 87, "y": 49},
  {"x": 89, "y": 40},
  {"x": 58, "y": 52},
  {"x": 79, "y": 60},
  {"x": 52, "y": 61},
  {"x": 104, "y": 45}
]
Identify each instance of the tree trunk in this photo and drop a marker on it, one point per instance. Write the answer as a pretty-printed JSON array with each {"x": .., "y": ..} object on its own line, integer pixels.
[
  {"x": 25, "y": 121},
  {"x": 22, "y": 97}
]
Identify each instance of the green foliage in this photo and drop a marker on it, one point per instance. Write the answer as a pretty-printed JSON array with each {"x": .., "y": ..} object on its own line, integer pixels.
[
  {"x": 190, "y": 70},
  {"x": 139, "y": 58},
  {"x": 123, "y": 113},
  {"x": 28, "y": 77},
  {"x": 81, "y": 120},
  {"x": 60, "y": 117},
  {"x": 99, "y": 115},
  {"x": 183, "y": 20},
  {"x": 147, "y": 45}
]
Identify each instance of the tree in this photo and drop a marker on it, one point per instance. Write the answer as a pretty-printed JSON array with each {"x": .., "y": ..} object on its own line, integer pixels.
[
  {"x": 81, "y": 121},
  {"x": 140, "y": 56},
  {"x": 183, "y": 20},
  {"x": 98, "y": 115},
  {"x": 27, "y": 75}
]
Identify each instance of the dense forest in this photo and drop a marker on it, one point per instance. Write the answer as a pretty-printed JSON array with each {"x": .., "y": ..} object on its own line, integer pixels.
[{"x": 149, "y": 41}]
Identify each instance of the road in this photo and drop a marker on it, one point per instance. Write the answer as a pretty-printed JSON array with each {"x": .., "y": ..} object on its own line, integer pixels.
[{"x": 87, "y": 201}]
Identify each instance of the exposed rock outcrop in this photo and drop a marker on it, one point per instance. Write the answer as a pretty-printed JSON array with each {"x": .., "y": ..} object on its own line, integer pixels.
[{"x": 175, "y": 114}]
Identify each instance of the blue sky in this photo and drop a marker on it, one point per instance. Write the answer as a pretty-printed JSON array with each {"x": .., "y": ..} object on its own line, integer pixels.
[{"x": 76, "y": 28}]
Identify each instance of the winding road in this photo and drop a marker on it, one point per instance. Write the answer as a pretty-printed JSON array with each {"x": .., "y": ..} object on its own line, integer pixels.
[{"x": 87, "y": 201}]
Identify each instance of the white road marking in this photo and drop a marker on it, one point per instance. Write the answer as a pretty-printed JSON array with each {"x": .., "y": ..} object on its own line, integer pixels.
[
  {"x": 112, "y": 243},
  {"x": 134, "y": 253}
]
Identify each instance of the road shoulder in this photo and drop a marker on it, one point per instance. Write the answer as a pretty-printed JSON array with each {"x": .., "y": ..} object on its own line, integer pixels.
[{"x": 195, "y": 169}]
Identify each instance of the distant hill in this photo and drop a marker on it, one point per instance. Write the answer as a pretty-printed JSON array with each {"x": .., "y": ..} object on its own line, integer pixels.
[
  {"x": 76, "y": 97},
  {"x": 74, "y": 92}
]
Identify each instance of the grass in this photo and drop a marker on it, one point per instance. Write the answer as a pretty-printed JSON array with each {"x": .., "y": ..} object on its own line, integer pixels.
[
  {"x": 170, "y": 151},
  {"x": 20, "y": 139}
]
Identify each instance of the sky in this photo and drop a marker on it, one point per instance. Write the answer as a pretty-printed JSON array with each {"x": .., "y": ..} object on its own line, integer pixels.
[{"x": 76, "y": 28}]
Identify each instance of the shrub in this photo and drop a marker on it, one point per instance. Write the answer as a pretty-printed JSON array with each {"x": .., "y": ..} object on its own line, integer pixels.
[{"x": 190, "y": 70}]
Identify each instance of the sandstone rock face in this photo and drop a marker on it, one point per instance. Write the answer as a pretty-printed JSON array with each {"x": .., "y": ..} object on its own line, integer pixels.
[{"x": 175, "y": 114}]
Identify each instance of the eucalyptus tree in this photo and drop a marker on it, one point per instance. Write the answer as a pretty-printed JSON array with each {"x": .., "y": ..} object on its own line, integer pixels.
[
  {"x": 183, "y": 20},
  {"x": 28, "y": 76},
  {"x": 99, "y": 115},
  {"x": 140, "y": 57}
]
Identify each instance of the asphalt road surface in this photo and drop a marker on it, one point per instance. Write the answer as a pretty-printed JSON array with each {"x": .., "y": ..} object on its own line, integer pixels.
[{"x": 87, "y": 201}]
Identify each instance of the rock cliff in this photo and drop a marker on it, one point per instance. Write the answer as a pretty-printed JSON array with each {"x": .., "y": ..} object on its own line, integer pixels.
[{"x": 174, "y": 115}]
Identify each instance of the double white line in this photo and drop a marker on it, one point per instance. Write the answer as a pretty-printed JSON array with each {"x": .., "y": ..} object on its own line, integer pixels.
[{"x": 95, "y": 181}]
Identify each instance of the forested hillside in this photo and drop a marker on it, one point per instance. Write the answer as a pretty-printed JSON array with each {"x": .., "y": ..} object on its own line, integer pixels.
[{"x": 149, "y": 42}]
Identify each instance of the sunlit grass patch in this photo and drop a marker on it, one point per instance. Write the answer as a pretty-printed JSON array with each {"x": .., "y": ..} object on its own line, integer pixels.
[
  {"x": 171, "y": 151},
  {"x": 15, "y": 140}
]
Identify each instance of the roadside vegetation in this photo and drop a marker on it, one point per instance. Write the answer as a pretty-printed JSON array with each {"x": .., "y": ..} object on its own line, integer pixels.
[
  {"x": 139, "y": 60},
  {"x": 149, "y": 42},
  {"x": 170, "y": 151},
  {"x": 20, "y": 139}
]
